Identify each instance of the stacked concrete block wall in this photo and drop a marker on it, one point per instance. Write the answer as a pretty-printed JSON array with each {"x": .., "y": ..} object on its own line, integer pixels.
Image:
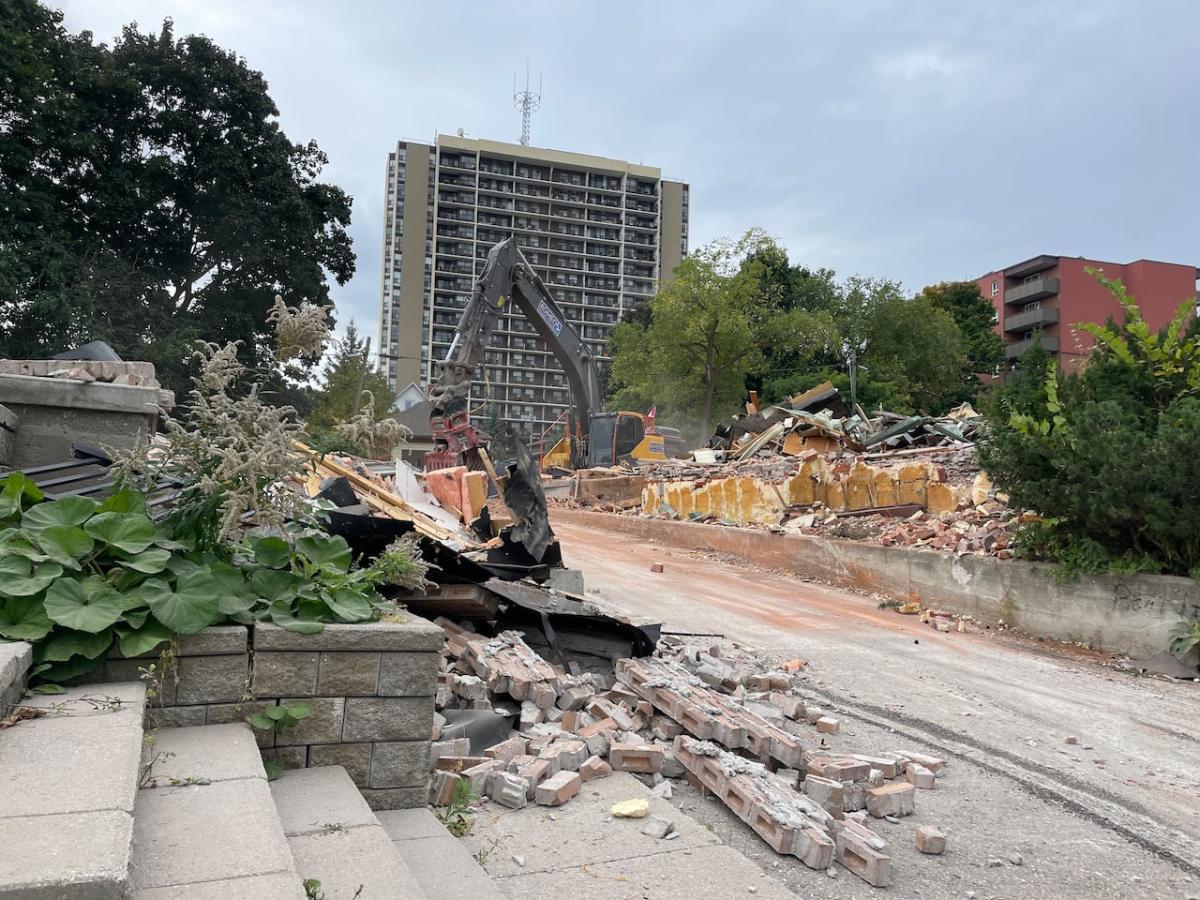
[
  {"x": 53, "y": 412},
  {"x": 369, "y": 688},
  {"x": 842, "y": 485},
  {"x": 15, "y": 659}
]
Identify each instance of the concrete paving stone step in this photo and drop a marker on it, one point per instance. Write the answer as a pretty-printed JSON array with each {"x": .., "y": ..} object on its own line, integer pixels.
[
  {"x": 336, "y": 839},
  {"x": 15, "y": 659},
  {"x": 205, "y": 824},
  {"x": 440, "y": 862},
  {"x": 68, "y": 782}
]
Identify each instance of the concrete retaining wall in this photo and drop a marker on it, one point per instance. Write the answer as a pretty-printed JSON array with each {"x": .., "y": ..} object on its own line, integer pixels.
[
  {"x": 370, "y": 689},
  {"x": 54, "y": 412},
  {"x": 1135, "y": 615}
]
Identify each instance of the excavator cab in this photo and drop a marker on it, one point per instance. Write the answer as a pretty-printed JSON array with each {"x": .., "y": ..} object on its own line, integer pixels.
[{"x": 622, "y": 435}]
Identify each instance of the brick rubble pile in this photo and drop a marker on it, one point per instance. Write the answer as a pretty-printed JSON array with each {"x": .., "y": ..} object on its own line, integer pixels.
[{"x": 728, "y": 723}]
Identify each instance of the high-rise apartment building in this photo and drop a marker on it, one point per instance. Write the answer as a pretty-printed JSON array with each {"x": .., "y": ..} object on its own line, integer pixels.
[
  {"x": 1050, "y": 295},
  {"x": 601, "y": 233}
]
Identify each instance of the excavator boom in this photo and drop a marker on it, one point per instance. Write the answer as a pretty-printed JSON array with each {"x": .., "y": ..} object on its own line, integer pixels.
[{"x": 507, "y": 280}]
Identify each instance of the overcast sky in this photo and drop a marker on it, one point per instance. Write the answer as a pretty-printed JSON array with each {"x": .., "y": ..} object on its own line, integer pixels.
[{"x": 920, "y": 141}]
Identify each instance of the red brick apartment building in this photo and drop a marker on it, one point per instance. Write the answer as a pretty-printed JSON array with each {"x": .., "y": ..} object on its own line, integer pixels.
[{"x": 1054, "y": 293}]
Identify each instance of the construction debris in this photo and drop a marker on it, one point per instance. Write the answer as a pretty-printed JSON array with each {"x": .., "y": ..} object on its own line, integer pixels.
[{"x": 723, "y": 717}]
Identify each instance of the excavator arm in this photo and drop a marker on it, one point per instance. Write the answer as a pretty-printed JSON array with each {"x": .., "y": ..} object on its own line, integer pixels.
[{"x": 507, "y": 280}]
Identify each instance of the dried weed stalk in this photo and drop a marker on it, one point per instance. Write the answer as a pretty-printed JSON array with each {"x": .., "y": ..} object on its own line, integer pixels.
[
  {"x": 300, "y": 332},
  {"x": 364, "y": 430},
  {"x": 236, "y": 451}
]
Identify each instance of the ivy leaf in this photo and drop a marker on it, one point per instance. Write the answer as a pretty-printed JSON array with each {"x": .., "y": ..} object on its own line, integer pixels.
[
  {"x": 350, "y": 606},
  {"x": 282, "y": 616},
  {"x": 261, "y": 722},
  {"x": 275, "y": 713},
  {"x": 47, "y": 688},
  {"x": 89, "y": 605},
  {"x": 144, "y": 639},
  {"x": 24, "y": 619},
  {"x": 233, "y": 594},
  {"x": 65, "y": 544},
  {"x": 124, "y": 501},
  {"x": 273, "y": 585},
  {"x": 16, "y": 542},
  {"x": 65, "y": 644},
  {"x": 64, "y": 512},
  {"x": 63, "y": 671},
  {"x": 188, "y": 608},
  {"x": 151, "y": 561},
  {"x": 127, "y": 532},
  {"x": 179, "y": 566},
  {"x": 13, "y": 583},
  {"x": 272, "y": 552},
  {"x": 136, "y": 618},
  {"x": 164, "y": 540},
  {"x": 15, "y": 489},
  {"x": 326, "y": 550}
]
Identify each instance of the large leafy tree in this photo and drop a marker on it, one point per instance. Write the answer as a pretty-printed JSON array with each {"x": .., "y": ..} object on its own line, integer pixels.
[
  {"x": 918, "y": 350},
  {"x": 975, "y": 318},
  {"x": 704, "y": 336},
  {"x": 148, "y": 196},
  {"x": 346, "y": 373}
]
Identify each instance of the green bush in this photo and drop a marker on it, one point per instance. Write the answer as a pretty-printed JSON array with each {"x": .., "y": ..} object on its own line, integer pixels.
[
  {"x": 1108, "y": 455},
  {"x": 77, "y": 577}
]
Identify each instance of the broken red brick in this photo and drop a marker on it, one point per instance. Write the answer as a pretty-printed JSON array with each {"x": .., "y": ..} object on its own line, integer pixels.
[
  {"x": 861, "y": 851},
  {"x": 594, "y": 767},
  {"x": 930, "y": 840},
  {"x": 643, "y": 758},
  {"x": 828, "y": 725},
  {"x": 558, "y": 789},
  {"x": 891, "y": 800}
]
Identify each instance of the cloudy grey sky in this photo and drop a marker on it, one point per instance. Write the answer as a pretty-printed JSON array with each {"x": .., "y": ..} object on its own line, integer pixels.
[{"x": 921, "y": 141}]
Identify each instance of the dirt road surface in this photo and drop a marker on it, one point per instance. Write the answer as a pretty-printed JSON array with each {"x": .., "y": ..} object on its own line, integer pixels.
[{"x": 1114, "y": 814}]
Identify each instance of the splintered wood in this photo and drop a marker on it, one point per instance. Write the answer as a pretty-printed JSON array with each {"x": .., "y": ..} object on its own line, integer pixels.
[{"x": 709, "y": 715}]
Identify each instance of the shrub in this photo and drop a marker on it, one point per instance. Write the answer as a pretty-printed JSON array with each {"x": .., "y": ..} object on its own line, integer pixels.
[
  {"x": 77, "y": 577},
  {"x": 1108, "y": 454}
]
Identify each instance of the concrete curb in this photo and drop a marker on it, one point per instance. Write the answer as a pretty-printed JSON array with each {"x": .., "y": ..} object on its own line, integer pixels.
[{"x": 1136, "y": 615}]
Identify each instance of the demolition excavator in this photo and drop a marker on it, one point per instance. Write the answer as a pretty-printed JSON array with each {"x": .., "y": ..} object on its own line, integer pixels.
[{"x": 593, "y": 437}]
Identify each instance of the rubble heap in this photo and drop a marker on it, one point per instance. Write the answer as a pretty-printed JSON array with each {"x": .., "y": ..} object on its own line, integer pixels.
[{"x": 728, "y": 721}]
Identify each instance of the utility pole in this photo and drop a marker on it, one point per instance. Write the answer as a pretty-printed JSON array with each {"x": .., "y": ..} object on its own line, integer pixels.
[
  {"x": 853, "y": 378},
  {"x": 362, "y": 374}
]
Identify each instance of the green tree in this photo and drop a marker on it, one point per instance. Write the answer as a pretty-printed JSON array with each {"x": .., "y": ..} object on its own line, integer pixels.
[
  {"x": 703, "y": 338},
  {"x": 916, "y": 349},
  {"x": 346, "y": 373},
  {"x": 148, "y": 196},
  {"x": 975, "y": 318}
]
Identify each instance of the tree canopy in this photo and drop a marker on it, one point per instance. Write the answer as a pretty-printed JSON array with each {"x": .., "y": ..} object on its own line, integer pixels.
[
  {"x": 347, "y": 372},
  {"x": 148, "y": 196},
  {"x": 705, "y": 335}
]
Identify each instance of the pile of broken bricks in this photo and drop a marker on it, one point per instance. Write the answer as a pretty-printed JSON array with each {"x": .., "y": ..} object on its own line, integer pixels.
[{"x": 744, "y": 736}]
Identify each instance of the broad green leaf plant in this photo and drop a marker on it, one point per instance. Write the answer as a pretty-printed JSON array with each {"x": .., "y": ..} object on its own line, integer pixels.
[{"x": 80, "y": 578}]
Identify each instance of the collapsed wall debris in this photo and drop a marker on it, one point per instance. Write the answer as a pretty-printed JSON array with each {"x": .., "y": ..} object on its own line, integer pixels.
[{"x": 725, "y": 719}]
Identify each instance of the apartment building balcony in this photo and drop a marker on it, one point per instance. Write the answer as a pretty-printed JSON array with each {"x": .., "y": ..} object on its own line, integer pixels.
[
  {"x": 1024, "y": 321},
  {"x": 1012, "y": 351},
  {"x": 1031, "y": 290}
]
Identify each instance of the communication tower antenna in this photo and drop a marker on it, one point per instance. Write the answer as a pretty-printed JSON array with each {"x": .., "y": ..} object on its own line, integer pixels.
[{"x": 528, "y": 102}]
